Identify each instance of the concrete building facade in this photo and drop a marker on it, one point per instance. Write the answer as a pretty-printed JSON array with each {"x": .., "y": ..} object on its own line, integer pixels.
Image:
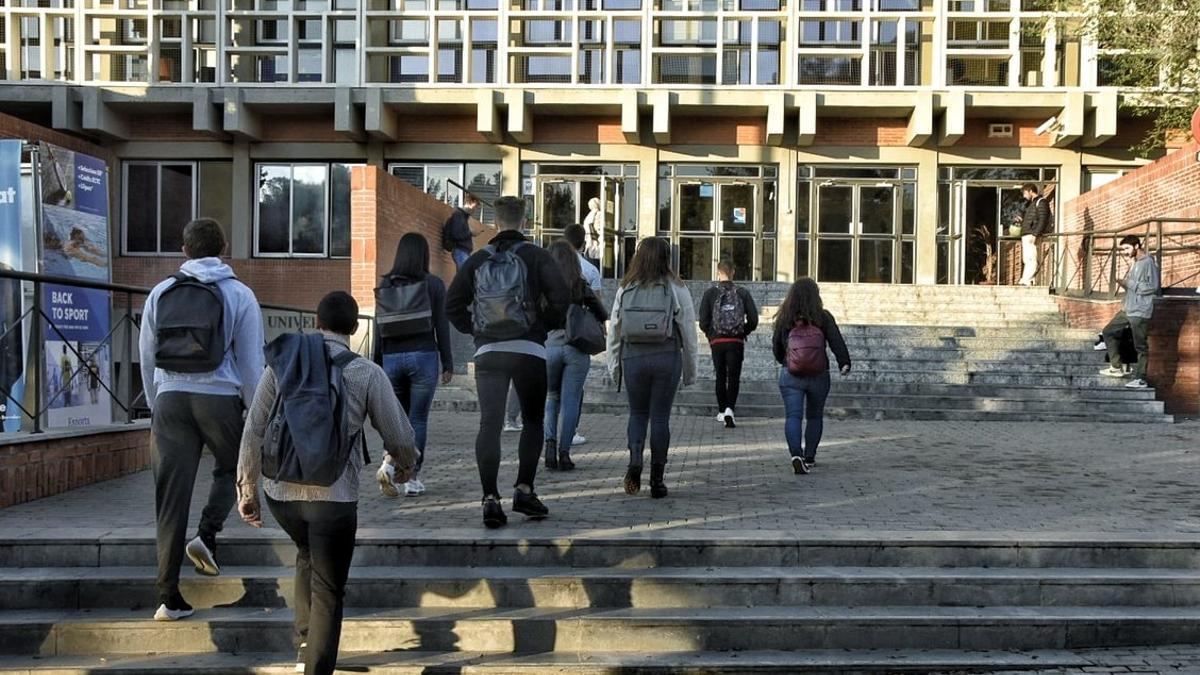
[{"x": 861, "y": 141}]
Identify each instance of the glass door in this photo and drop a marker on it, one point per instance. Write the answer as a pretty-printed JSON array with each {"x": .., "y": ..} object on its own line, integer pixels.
[
  {"x": 876, "y": 243},
  {"x": 695, "y": 226},
  {"x": 835, "y": 233},
  {"x": 737, "y": 224},
  {"x": 856, "y": 233}
]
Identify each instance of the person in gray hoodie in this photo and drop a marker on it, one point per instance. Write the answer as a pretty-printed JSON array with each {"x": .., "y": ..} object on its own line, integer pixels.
[
  {"x": 197, "y": 405},
  {"x": 1141, "y": 285}
]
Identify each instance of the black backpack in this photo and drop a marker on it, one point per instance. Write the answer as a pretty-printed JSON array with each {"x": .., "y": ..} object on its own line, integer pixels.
[
  {"x": 306, "y": 440},
  {"x": 501, "y": 309},
  {"x": 189, "y": 326},
  {"x": 402, "y": 309},
  {"x": 729, "y": 313}
]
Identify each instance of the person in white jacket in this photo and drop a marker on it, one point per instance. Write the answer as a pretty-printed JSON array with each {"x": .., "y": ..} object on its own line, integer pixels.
[{"x": 652, "y": 345}]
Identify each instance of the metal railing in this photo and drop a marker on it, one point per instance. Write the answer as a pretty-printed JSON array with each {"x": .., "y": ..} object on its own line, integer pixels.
[
  {"x": 130, "y": 402},
  {"x": 1088, "y": 264}
]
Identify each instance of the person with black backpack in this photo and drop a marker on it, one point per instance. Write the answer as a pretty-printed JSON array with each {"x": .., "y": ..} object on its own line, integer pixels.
[
  {"x": 803, "y": 329},
  {"x": 414, "y": 337},
  {"x": 1035, "y": 222},
  {"x": 651, "y": 347},
  {"x": 728, "y": 316},
  {"x": 201, "y": 349},
  {"x": 305, "y": 434},
  {"x": 508, "y": 296}
]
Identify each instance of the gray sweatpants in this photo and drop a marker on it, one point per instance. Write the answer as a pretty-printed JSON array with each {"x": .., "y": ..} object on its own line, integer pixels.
[{"x": 182, "y": 426}]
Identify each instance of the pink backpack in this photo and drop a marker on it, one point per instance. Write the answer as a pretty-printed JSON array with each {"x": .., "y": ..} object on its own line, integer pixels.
[{"x": 806, "y": 351}]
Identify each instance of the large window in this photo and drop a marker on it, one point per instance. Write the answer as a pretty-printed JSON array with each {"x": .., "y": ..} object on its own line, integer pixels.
[
  {"x": 480, "y": 178},
  {"x": 159, "y": 198},
  {"x": 303, "y": 210}
]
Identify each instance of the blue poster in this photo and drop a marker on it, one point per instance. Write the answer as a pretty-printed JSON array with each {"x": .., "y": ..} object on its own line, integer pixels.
[
  {"x": 78, "y": 363},
  {"x": 12, "y": 357}
]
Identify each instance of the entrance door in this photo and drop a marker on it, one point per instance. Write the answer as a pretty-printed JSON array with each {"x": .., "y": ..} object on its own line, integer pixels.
[
  {"x": 714, "y": 220},
  {"x": 856, "y": 233},
  {"x": 985, "y": 213}
]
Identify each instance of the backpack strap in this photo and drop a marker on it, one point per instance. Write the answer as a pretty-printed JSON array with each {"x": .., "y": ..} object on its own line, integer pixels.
[{"x": 341, "y": 360}]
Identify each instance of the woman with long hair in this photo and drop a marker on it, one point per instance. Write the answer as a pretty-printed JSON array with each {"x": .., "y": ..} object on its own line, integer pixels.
[
  {"x": 803, "y": 329},
  {"x": 567, "y": 367},
  {"x": 651, "y": 345},
  {"x": 414, "y": 338}
]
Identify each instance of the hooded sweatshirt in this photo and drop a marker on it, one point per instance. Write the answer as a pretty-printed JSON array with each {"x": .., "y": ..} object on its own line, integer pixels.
[{"x": 244, "y": 361}]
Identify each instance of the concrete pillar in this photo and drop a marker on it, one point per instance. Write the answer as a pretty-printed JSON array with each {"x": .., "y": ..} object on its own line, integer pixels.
[
  {"x": 244, "y": 188},
  {"x": 927, "y": 216},
  {"x": 647, "y": 193},
  {"x": 785, "y": 219}
]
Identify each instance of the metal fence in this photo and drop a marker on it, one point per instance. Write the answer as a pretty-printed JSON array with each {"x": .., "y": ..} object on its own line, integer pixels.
[
  {"x": 1089, "y": 264},
  {"x": 128, "y": 400}
]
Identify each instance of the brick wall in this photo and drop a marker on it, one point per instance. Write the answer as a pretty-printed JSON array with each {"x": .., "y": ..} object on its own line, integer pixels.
[
  {"x": 1170, "y": 187},
  {"x": 556, "y": 129},
  {"x": 295, "y": 282},
  {"x": 15, "y": 127},
  {"x": 833, "y": 131},
  {"x": 384, "y": 208},
  {"x": 33, "y": 467},
  {"x": 1174, "y": 345}
]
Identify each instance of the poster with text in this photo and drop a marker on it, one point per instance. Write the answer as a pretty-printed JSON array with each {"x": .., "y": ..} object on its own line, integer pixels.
[
  {"x": 12, "y": 343},
  {"x": 75, "y": 244}
]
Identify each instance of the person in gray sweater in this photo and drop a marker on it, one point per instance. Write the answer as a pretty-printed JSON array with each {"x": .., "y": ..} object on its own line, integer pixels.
[
  {"x": 323, "y": 521},
  {"x": 1141, "y": 285}
]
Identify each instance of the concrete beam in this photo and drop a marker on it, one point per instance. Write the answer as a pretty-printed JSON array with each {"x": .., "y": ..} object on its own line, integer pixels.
[
  {"x": 1072, "y": 120},
  {"x": 1101, "y": 124},
  {"x": 379, "y": 119},
  {"x": 206, "y": 115},
  {"x": 806, "y": 101},
  {"x": 487, "y": 116},
  {"x": 631, "y": 117},
  {"x": 954, "y": 118},
  {"x": 64, "y": 114},
  {"x": 99, "y": 119},
  {"x": 661, "y": 104},
  {"x": 347, "y": 119},
  {"x": 239, "y": 119},
  {"x": 776, "y": 118},
  {"x": 920, "y": 121},
  {"x": 520, "y": 116}
]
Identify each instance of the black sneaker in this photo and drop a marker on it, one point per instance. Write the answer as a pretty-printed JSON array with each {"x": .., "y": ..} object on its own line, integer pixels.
[
  {"x": 174, "y": 609},
  {"x": 811, "y": 462},
  {"x": 799, "y": 466},
  {"x": 633, "y": 480},
  {"x": 551, "y": 452},
  {"x": 528, "y": 504},
  {"x": 493, "y": 513}
]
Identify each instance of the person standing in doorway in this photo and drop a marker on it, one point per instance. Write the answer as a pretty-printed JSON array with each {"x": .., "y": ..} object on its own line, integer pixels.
[
  {"x": 728, "y": 316},
  {"x": 410, "y": 311},
  {"x": 458, "y": 238},
  {"x": 508, "y": 296},
  {"x": 321, "y": 520},
  {"x": 1035, "y": 222},
  {"x": 1141, "y": 285},
  {"x": 803, "y": 329},
  {"x": 651, "y": 347},
  {"x": 198, "y": 380}
]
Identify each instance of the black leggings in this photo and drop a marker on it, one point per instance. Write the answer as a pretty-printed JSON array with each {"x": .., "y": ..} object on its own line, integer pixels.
[
  {"x": 727, "y": 362},
  {"x": 493, "y": 372}
]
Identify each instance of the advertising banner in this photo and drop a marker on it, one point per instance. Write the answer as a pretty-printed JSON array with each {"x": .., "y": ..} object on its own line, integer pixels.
[
  {"x": 12, "y": 356},
  {"x": 75, "y": 244}
]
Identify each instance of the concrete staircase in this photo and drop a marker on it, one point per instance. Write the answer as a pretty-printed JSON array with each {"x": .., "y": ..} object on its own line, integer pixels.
[
  {"x": 666, "y": 602},
  {"x": 959, "y": 353}
]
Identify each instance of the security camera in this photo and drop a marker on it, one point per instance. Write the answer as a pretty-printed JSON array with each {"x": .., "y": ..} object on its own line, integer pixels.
[{"x": 1047, "y": 126}]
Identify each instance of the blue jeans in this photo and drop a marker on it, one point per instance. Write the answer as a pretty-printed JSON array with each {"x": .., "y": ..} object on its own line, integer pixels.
[
  {"x": 460, "y": 258},
  {"x": 414, "y": 377},
  {"x": 651, "y": 382},
  {"x": 566, "y": 372},
  {"x": 804, "y": 399}
]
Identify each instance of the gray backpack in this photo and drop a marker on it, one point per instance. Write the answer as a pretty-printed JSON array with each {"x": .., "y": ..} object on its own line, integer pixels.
[
  {"x": 501, "y": 309},
  {"x": 648, "y": 313}
]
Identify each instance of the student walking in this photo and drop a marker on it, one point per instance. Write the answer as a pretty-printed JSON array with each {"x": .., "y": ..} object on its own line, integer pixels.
[
  {"x": 651, "y": 346},
  {"x": 1141, "y": 284},
  {"x": 201, "y": 358},
  {"x": 508, "y": 296},
  {"x": 567, "y": 365},
  {"x": 316, "y": 501},
  {"x": 458, "y": 239},
  {"x": 576, "y": 235},
  {"x": 728, "y": 316},
  {"x": 803, "y": 329},
  {"x": 410, "y": 310}
]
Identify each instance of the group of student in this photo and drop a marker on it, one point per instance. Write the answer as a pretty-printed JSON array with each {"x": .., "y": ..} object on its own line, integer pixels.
[{"x": 536, "y": 319}]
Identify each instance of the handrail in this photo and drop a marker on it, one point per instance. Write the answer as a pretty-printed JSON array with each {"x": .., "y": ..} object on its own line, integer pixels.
[{"x": 40, "y": 320}]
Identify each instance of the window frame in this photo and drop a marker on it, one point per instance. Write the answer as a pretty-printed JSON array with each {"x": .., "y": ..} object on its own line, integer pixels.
[
  {"x": 158, "y": 164},
  {"x": 328, "y": 242}
]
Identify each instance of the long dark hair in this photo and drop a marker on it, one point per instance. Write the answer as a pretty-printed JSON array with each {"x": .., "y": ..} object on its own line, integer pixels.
[
  {"x": 803, "y": 305},
  {"x": 568, "y": 261},
  {"x": 651, "y": 263},
  {"x": 412, "y": 257}
]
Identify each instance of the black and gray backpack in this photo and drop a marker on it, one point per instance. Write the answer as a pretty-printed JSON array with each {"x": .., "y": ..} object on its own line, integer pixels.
[
  {"x": 189, "y": 326},
  {"x": 502, "y": 309},
  {"x": 729, "y": 313},
  {"x": 402, "y": 308}
]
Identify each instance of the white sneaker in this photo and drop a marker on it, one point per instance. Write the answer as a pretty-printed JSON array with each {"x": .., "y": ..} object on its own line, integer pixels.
[
  {"x": 166, "y": 614},
  {"x": 578, "y": 440},
  {"x": 513, "y": 426},
  {"x": 414, "y": 487},
  {"x": 1112, "y": 372},
  {"x": 202, "y": 558},
  {"x": 721, "y": 417},
  {"x": 386, "y": 475},
  {"x": 300, "y": 657},
  {"x": 1138, "y": 383},
  {"x": 1100, "y": 346},
  {"x": 730, "y": 422}
]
